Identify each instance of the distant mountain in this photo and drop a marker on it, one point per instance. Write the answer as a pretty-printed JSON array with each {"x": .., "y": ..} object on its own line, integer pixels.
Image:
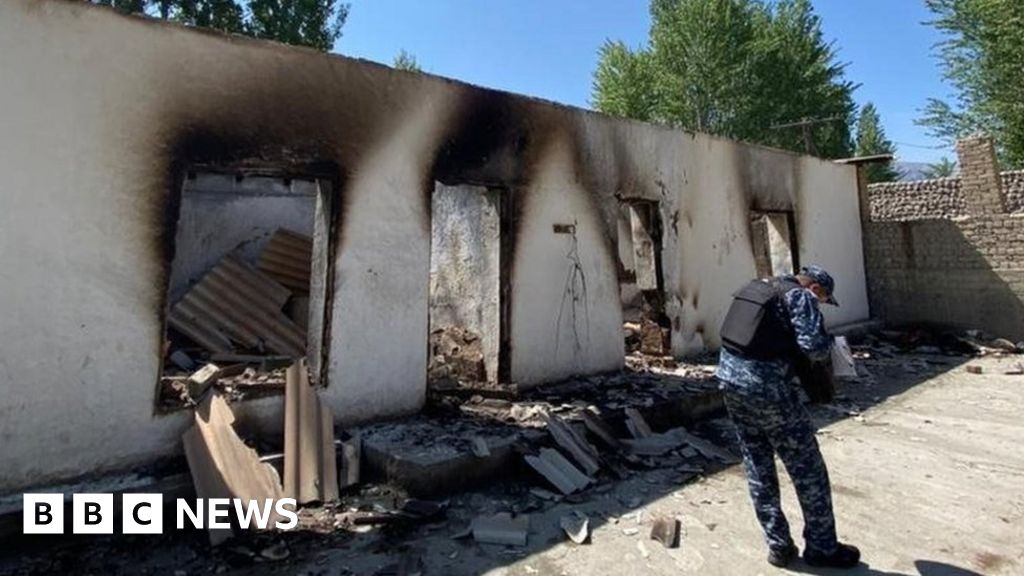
[{"x": 910, "y": 171}]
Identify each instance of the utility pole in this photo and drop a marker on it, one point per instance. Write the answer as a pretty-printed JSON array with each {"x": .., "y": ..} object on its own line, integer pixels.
[{"x": 805, "y": 126}]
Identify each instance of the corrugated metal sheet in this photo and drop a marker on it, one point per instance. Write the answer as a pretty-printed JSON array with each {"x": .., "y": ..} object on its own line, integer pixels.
[
  {"x": 286, "y": 258},
  {"x": 234, "y": 306}
]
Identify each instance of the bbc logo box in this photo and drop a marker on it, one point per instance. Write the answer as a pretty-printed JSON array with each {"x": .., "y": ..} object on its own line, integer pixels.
[{"x": 92, "y": 514}]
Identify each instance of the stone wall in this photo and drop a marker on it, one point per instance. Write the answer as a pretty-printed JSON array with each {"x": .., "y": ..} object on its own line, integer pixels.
[
  {"x": 950, "y": 251},
  {"x": 937, "y": 198}
]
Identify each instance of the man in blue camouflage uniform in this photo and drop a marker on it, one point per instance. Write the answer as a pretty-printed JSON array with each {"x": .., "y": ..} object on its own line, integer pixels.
[{"x": 770, "y": 419}]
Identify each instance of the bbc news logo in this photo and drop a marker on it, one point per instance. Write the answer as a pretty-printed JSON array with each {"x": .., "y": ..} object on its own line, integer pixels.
[{"x": 144, "y": 513}]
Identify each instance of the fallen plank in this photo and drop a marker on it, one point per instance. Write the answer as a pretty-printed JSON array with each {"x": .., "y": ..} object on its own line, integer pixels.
[
  {"x": 222, "y": 466},
  {"x": 580, "y": 450}
]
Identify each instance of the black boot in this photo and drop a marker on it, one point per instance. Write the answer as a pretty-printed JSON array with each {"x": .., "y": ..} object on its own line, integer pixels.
[
  {"x": 780, "y": 558},
  {"x": 845, "y": 556}
]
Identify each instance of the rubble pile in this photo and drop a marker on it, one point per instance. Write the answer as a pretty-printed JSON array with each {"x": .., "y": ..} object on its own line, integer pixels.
[
  {"x": 647, "y": 346},
  {"x": 456, "y": 356},
  {"x": 239, "y": 325},
  {"x": 562, "y": 462}
]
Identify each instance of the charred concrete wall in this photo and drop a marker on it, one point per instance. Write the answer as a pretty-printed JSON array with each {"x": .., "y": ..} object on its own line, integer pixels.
[
  {"x": 465, "y": 259},
  {"x": 103, "y": 114},
  {"x": 965, "y": 271}
]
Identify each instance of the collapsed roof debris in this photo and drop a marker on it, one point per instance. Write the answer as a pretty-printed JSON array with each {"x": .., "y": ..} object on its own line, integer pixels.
[
  {"x": 222, "y": 466},
  {"x": 249, "y": 322},
  {"x": 310, "y": 464}
]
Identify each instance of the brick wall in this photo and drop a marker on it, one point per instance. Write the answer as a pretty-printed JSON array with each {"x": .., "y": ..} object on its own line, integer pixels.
[{"x": 955, "y": 260}]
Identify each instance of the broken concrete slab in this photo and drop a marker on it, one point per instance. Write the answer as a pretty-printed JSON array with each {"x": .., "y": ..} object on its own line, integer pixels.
[
  {"x": 598, "y": 427},
  {"x": 637, "y": 425},
  {"x": 559, "y": 471},
  {"x": 502, "y": 529},
  {"x": 666, "y": 531},
  {"x": 222, "y": 466},
  {"x": 202, "y": 379},
  {"x": 706, "y": 448},
  {"x": 655, "y": 444},
  {"x": 576, "y": 526},
  {"x": 556, "y": 477},
  {"x": 570, "y": 441},
  {"x": 310, "y": 464},
  {"x": 429, "y": 458}
]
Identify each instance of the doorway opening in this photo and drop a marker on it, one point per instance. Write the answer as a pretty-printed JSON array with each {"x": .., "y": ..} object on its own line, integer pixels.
[
  {"x": 647, "y": 328},
  {"x": 248, "y": 291},
  {"x": 773, "y": 237},
  {"x": 468, "y": 303}
]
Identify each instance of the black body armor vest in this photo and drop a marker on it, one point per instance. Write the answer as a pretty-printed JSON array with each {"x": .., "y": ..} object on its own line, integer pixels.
[{"x": 753, "y": 327}]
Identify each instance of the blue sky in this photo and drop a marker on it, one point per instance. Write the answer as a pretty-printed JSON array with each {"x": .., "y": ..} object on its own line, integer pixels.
[{"x": 548, "y": 48}]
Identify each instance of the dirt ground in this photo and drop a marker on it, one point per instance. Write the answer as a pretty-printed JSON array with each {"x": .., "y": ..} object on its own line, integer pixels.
[{"x": 924, "y": 458}]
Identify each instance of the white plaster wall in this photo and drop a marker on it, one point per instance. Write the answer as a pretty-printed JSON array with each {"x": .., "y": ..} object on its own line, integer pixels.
[
  {"x": 87, "y": 95},
  {"x": 553, "y": 335},
  {"x": 220, "y": 215},
  {"x": 80, "y": 332},
  {"x": 378, "y": 351},
  {"x": 829, "y": 234},
  {"x": 465, "y": 251},
  {"x": 713, "y": 254}
]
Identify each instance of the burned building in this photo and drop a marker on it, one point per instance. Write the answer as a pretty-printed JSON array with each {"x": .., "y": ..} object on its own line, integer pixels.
[{"x": 168, "y": 189}]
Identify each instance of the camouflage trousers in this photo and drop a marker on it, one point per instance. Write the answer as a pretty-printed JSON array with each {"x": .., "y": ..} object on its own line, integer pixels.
[{"x": 769, "y": 420}]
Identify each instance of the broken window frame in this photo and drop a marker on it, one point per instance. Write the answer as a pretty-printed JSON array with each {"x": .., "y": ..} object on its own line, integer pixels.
[
  {"x": 329, "y": 179},
  {"x": 763, "y": 223}
]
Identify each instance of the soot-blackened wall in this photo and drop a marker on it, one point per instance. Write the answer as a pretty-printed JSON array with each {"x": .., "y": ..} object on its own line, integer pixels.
[{"x": 103, "y": 113}]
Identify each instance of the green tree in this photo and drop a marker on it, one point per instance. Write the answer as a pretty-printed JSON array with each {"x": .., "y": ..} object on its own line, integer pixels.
[
  {"x": 871, "y": 140},
  {"x": 983, "y": 58},
  {"x": 735, "y": 68},
  {"x": 624, "y": 83},
  {"x": 406, "y": 61},
  {"x": 313, "y": 23},
  {"x": 944, "y": 168}
]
